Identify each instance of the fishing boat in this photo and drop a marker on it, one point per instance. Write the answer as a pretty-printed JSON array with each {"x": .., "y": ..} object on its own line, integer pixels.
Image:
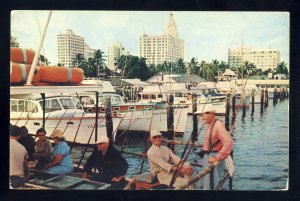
[
  {"x": 136, "y": 116},
  {"x": 60, "y": 112},
  {"x": 209, "y": 95},
  {"x": 159, "y": 94}
]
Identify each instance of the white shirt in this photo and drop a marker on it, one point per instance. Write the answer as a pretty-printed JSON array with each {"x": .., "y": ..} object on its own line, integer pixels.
[{"x": 17, "y": 154}]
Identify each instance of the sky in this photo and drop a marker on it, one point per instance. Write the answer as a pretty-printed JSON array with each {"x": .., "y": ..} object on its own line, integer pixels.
[{"x": 206, "y": 35}]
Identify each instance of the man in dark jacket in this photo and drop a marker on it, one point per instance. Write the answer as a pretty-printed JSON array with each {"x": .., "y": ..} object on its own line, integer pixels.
[
  {"x": 110, "y": 164},
  {"x": 28, "y": 142}
]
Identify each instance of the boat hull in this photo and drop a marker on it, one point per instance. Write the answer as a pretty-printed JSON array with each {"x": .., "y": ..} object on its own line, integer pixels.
[{"x": 71, "y": 125}]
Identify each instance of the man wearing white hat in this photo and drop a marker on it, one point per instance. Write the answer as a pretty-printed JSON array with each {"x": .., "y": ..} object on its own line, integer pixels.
[
  {"x": 163, "y": 162},
  {"x": 110, "y": 164},
  {"x": 217, "y": 146}
]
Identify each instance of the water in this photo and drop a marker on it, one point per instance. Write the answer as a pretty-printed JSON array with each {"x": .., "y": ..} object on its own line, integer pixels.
[{"x": 261, "y": 148}]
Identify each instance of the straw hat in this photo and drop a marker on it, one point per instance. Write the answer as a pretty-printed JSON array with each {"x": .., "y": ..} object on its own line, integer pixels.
[
  {"x": 57, "y": 134},
  {"x": 207, "y": 108},
  {"x": 102, "y": 139},
  {"x": 154, "y": 133}
]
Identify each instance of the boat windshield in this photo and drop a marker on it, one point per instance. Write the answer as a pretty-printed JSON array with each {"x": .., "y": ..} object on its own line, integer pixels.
[
  {"x": 67, "y": 103},
  {"x": 23, "y": 106},
  {"x": 51, "y": 105}
]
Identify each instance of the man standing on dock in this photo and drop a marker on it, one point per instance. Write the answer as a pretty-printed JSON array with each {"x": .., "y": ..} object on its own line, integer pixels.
[
  {"x": 217, "y": 146},
  {"x": 163, "y": 162},
  {"x": 110, "y": 164}
]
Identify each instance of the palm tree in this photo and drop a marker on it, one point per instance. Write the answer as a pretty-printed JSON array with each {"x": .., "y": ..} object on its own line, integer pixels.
[
  {"x": 194, "y": 66},
  {"x": 206, "y": 71},
  {"x": 99, "y": 61},
  {"x": 180, "y": 66},
  {"x": 79, "y": 60},
  {"x": 282, "y": 68}
]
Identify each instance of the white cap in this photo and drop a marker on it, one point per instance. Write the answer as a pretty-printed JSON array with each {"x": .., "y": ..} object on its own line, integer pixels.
[
  {"x": 207, "y": 108},
  {"x": 102, "y": 139},
  {"x": 154, "y": 133}
]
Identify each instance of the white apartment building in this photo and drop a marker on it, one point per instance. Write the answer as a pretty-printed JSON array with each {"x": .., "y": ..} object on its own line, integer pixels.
[
  {"x": 69, "y": 45},
  {"x": 88, "y": 52},
  {"x": 262, "y": 59},
  {"x": 114, "y": 52},
  {"x": 165, "y": 47}
]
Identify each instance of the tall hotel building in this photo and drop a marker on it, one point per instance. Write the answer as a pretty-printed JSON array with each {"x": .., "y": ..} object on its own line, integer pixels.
[
  {"x": 69, "y": 45},
  {"x": 88, "y": 52},
  {"x": 114, "y": 52},
  {"x": 166, "y": 47},
  {"x": 262, "y": 59}
]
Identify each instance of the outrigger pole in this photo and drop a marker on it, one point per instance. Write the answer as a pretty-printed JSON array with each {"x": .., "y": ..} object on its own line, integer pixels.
[{"x": 37, "y": 53}]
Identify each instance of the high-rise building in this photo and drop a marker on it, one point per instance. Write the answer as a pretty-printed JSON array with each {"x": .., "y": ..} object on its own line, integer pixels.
[
  {"x": 88, "y": 52},
  {"x": 165, "y": 47},
  {"x": 69, "y": 45},
  {"x": 13, "y": 42},
  {"x": 114, "y": 52},
  {"x": 262, "y": 59}
]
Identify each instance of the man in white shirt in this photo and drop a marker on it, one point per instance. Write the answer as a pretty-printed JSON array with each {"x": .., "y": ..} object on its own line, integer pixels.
[
  {"x": 163, "y": 162},
  {"x": 18, "y": 168}
]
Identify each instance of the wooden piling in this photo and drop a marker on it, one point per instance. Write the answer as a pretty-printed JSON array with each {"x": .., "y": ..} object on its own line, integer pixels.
[
  {"x": 211, "y": 180},
  {"x": 195, "y": 118},
  {"x": 108, "y": 118},
  {"x": 170, "y": 119},
  {"x": 252, "y": 102},
  {"x": 244, "y": 104},
  {"x": 227, "y": 112},
  {"x": 275, "y": 96},
  {"x": 262, "y": 93},
  {"x": 266, "y": 97},
  {"x": 233, "y": 109},
  {"x": 230, "y": 178}
]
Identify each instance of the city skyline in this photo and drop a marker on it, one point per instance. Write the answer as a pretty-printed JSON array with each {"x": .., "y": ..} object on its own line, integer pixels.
[{"x": 207, "y": 35}]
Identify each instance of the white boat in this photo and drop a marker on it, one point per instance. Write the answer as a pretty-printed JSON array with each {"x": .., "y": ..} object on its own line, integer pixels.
[
  {"x": 61, "y": 112},
  {"x": 209, "y": 95},
  {"x": 136, "y": 116}
]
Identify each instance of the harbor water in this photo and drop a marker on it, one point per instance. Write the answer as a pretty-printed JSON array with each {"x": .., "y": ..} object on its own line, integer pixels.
[{"x": 261, "y": 149}]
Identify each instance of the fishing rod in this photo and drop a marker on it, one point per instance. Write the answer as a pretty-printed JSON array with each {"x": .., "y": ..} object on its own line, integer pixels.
[
  {"x": 176, "y": 126},
  {"x": 59, "y": 121},
  {"x": 183, "y": 159},
  {"x": 198, "y": 176},
  {"x": 147, "y": 144},
  {"x": 85, "y": 149},
  {"x": 30, "y": 115},
  {"x": 20, "y": 116},
  {"x": 176, "y": 172}
]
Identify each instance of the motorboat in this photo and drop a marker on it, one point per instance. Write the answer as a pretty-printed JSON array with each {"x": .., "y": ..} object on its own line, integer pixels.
[
  {"x": 60, "y": 112},
  {"x": 136, "y": 116}
]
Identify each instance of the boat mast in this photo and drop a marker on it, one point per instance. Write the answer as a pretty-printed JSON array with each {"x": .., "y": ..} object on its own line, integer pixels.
[{"x": 33, "y": 65}]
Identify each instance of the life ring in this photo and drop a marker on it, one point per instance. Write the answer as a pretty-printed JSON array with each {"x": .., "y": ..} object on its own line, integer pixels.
[
  {"x": 19, "y": 73},
  {"x": 21, "y": 55},
  {"x": 61, "y": 74}
]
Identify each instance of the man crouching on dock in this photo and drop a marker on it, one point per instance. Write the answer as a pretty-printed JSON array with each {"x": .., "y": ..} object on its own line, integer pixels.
[
  {"x": 110, "y": 164},
  {"x": 163, "y": 162}
]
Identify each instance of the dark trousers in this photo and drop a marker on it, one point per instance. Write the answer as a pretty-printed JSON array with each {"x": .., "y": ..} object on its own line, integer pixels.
[{"x": 16, "y": 181}]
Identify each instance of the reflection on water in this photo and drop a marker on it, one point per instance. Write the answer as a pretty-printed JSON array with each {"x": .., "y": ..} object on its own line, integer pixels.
[{"x": 260, "y": 149}]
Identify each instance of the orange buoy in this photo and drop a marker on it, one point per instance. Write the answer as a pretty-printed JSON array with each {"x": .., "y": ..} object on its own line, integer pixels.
[
  {"x": 61, "y": 74},
  {"x": 21, "y": 55},
  {"x": 19, "y": 73}
]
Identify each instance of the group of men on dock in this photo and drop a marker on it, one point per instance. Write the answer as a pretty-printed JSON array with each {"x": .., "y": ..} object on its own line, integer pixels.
[{"x": 111, "y": 165}]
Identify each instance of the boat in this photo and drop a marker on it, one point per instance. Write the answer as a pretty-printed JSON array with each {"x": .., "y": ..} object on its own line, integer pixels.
[
  {"x": 136, "y": 116},
  {"x": 209, "y": 95},
  {"x": 61, "y": 112}
]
